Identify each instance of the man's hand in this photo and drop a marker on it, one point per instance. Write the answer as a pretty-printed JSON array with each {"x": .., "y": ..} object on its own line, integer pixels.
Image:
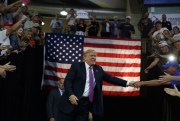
[
  {"x": 52, "y": 119},
  {"x": 166, "y": 77},
  {"x": 2, "y": 73},
  {"x": 73, "y": 99},
  {"x": 8, "y": 67}
]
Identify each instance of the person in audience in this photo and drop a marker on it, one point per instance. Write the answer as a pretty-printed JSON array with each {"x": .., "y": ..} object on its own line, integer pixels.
[
  {"x": 171, "y": 68},
  {"x": 115, "y": 27},
  {"x": 57, "y": 29},
  {"x": 106, "y": 28},
  {"x": 83, "y": 89},
  {"x": 52, "y": 104},
  {"x": 56, "y": 24},
  {"x": 160, "y": 57},
  {"x": 165, "y": 23},
  {"x": 176, "y": 33},
  {"x": 34, "y": 20},
  {"x": 15, "y": 38},
  {"x": 93, "y": 27},
  {"x": 81, "y": 28},
  {"x": 68, "y": 30},
  {"x": 4, "y": 40},
  {"x": 71, "y": 20},
  {"x": 127, "y": 29}
]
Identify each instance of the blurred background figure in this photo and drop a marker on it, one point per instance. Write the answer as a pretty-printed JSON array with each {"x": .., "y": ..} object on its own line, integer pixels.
[
  {"x": 53, "y": 100},
  {"x": 56, "y": 24},
  {"x": 93, "y": 27}
]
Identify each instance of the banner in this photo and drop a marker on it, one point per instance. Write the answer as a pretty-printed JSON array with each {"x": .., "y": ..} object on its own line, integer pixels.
[{"x": 173, "y": 18}]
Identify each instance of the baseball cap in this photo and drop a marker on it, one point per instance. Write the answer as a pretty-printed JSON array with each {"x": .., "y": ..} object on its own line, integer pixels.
[
  {"x": 128, "y": 17},
  {"x": 35, "y": 14},
  {"x": 8, "y": 24},
  {"x": 158, "y": 22},
  {"x": 171, "y": 63},
  {"x": 163, "y": 43},
  {"x": 36, "y": 25}
]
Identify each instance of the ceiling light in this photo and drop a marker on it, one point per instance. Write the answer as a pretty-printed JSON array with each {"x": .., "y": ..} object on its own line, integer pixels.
[{"x": 63, "y": 12}]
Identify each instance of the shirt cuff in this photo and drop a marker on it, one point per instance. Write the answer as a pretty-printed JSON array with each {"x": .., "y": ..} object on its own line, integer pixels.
[{"x": 127, "y": 84}]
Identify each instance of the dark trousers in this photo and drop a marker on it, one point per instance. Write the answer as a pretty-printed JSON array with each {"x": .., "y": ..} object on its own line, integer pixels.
[{"x": 80, "y": 112}]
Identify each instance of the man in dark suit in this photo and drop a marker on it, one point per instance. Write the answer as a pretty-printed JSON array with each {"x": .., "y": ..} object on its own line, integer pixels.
[
  {"x": 78, "y": 99},
  {"x": 53, "y": 100}
]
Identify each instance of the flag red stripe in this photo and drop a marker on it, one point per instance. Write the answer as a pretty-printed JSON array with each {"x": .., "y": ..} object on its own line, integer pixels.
[
  {"x": 50, "y": 68},
  {"x": 118, "y": 64},
  {"x": 121, "y": 74},
  {"x": 113, "y": 93},
  {"x": 49, "y": 87},
  {"x": 115, "y": 55},
  {"x": 97, "y": 45},
  {"x": 54, "y": 78}
]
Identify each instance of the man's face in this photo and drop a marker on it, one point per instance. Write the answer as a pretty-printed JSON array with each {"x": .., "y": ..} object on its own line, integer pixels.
[
  {"x": 61, "y": 84},
  {"x": 171, "y": 70},
  {"x": 90, "y": 58},
  {"x": 177, "y": 45},
  {"x": 164, "y": 49}
]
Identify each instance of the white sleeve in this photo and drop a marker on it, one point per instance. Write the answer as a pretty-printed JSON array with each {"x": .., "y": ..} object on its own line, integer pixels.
[{"x": 3, "y": 36}]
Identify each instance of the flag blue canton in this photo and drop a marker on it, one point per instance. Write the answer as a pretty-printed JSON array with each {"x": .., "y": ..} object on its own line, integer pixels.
[{"x": 64, "y": 48}]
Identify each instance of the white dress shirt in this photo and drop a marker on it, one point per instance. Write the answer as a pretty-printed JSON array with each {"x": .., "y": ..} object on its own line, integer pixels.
[{"x": 86, "y": 89}]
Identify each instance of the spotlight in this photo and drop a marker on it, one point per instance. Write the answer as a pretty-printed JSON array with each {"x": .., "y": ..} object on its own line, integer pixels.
[
  {"x": 171, "y": 58},
  {"x": 42, "y": 23},
  {"x": 63, "y": 12}
]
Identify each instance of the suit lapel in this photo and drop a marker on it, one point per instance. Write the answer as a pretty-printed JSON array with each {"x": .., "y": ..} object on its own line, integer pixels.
[
  {"x": 83, "y": 67},
  {"x": 95, "y": 69}
]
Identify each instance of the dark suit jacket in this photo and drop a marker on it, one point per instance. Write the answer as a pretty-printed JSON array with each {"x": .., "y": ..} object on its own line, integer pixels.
[
  {"x": 75, "y": 84},
  {"x": 52, "y": 104}
]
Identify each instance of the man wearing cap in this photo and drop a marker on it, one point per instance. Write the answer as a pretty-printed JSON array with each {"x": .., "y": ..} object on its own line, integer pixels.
[
  {"x": 34, "y": 19},
  {"x": 160, "y": 57},
  {"x": 171, "y": 68},
  {"x": 8, "y": 29},
  {"x": 126, "y": 29},
  {"x": 166, "y": 23}
]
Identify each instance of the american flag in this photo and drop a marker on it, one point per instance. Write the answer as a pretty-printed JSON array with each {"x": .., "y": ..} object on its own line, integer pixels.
[{"x": 118, "y": 57}]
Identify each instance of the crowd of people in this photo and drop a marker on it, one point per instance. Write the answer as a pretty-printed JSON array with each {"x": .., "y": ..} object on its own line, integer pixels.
[{"x": 20, "y": 30}]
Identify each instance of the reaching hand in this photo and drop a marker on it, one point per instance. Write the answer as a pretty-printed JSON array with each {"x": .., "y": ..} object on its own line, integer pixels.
[
  {"x": 135, "y": 84},
  {"x": 166, "y": 77},
  {"x": 138, "y": 84},
  {"x": 2, "y": 73},
  {"x": 172, "y": 92},
  {"x": 8, "y": 67}
]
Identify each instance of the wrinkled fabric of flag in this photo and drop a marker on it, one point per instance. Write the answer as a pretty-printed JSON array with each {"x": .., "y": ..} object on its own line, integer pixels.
[{"x": 118, "y": 57}]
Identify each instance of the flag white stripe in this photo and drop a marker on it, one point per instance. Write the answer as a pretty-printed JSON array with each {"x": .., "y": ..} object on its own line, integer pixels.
[
  {"x": 50, "y": 82},
  {"x": 119, "y": 88},
  {"x": 99, "y": 59},
  {"x": 58, "y": 65},
  {"x": 111, "y": 42},
  {"x": 118, "y": 60},
  {"x": 121, "y": 69},
  {"x": 107, "y": 68}
]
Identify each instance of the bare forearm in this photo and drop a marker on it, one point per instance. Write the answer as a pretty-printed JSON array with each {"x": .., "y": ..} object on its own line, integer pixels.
[{"x": 153, "y": 83}]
